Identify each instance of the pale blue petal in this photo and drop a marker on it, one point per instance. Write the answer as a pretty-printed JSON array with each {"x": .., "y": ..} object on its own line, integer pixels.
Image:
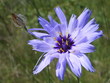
[
  {"x": 75, "y": 33},
  {"x": 72, "y": 23},
  {"x": 52, "y": 21},
  {"x": 45, "y": 24},
  {"x": 77, "y": 53},
  {"x": 49, "y": 40},
  {"x": 85, "y": 62},
  {"x": 87, "y": 37},
  {"x": 40, "y": 45},
  {"x": 91, "y": 26},
  {"x": 74, "y": 64},
  {"x": 63, "y": 30},
  {"x": 93, "y": 36},
  {"x": 84, "y": 48},
  {"x": 45, "y": 62},
  {"x": 80, "y": 39},
  {"x": 61, "y": 67},
  {"x": 56, "y": 31},
  {"x": 34, "y": 29},
  {"x": 90, "y": 29},
  {"x": 61, "y": 16},
  {"x": 91, "y": 22},
  {"x": 40, "y": 35},
  {"x": 83, "y": 18}
]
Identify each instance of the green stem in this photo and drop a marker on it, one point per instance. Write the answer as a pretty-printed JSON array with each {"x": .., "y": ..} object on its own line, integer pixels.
[
  {"x": 68, "y": 78},
  {"x": 78, "y": 80},
  {"x": 49, "y": 75}
]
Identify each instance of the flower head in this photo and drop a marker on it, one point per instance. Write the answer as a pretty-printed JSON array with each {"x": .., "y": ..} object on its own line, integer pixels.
[{"x": 68, "y": 42}]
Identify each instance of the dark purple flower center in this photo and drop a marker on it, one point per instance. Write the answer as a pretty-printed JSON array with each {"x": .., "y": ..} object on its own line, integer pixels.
[{"x": 63, "y": 44}]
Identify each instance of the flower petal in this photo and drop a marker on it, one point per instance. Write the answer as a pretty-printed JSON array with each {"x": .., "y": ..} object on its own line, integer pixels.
[
  {"x": 87, "y": 37},
  {"x": 39, "y": 45},
  {"x": 72, "y": 24},
  {"x": 34, "y": 29},
  {"x": 49, "y": 40},
  {"x": 52, "y": 21},
  {"x": 80, "y": 39},
  {"x": 91, "y": 26},
  {"x": 56, "y": 31},
  {"x": 75, "y": 33},
  {"x": 91, "y": 29},
  {"x": 40, "y": 35},
  {"x": 85, "y": 62},
  {"x": 93, "y": 36},
  {"x": 61, "y": 16},
  {"x": 45, "y": 24},
  {"x": 84, "y": 17},
  {"x": 74, "y": 64},
  {"x": 84, "y": 48},
  {"x": 91, "y": 22},
  {"x": 45, "y": 62},
  {"x": 61, "y": 67}
]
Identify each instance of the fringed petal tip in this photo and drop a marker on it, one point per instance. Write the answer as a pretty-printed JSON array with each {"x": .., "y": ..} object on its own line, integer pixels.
[
  {"x": 61, "y": 16},
  {"x": 85, "y": 62},
  {"x": 74, "y": 64},
  {"x": 61, "y": 67},
  {"x": 40, "y": 45},
  {"x": 93, "y": 70},
  {"x": 84, "y": 17},
  {"x": 34, "y": 72}
]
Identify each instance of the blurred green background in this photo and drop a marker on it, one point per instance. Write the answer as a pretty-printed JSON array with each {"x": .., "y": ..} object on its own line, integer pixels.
[{"x": 17, "y": 58}]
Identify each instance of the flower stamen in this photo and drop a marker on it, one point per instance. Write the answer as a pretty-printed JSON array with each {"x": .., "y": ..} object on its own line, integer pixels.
[
  {"x": 62, "y": 40},
  {"x": 66, "y": 42},
  {"x": 61, "y": 50},
  {"x": 54, "y": 38},
  {"x": 58, "y": 42},
  {"x": 63, "y": 43}
]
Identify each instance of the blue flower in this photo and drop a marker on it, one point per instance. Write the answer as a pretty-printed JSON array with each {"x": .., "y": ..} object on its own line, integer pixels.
[{"x": 68, "y": 42}]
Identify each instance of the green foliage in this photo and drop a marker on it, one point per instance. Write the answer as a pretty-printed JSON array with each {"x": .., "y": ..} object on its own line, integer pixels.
[{"x": 17, "y": 58}]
